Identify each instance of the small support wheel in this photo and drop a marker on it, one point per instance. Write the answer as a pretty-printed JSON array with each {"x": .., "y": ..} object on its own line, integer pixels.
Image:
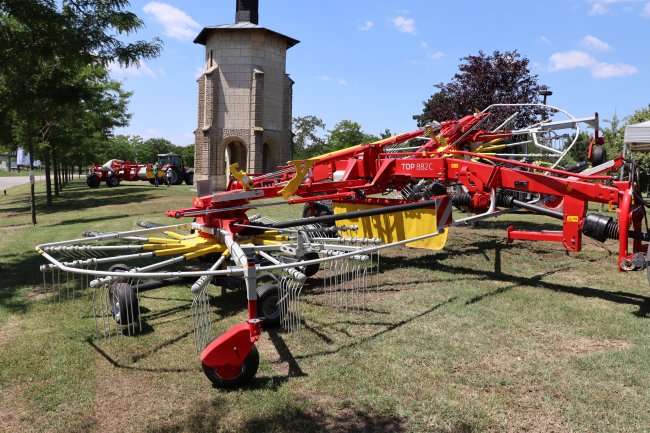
[
  {"x": 123, "y": 303},
  {"x": 310, "y": 270},
  {"x": 598, "y": 155},
  {"x": 230, "y": 377},
  {"x": 320, "y": 208},
  {"x": 268, "y": 304}
]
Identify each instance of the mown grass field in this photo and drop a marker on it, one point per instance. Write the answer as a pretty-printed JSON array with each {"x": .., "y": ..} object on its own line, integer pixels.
[{"x": 482, "y": 336}]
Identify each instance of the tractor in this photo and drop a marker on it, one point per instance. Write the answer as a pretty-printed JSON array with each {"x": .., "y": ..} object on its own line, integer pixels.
[{"x": 171, "y": 164}]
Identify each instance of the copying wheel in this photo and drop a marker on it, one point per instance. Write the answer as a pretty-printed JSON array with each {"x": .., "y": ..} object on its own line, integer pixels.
[
  {"x": 118, "y": 267},
  {"x": 229, "y": 377},
  {"x": 319, "y": 208},
  {"x": 598, "y": 155},
  {"x": 268, "y": 307},
  {"x": 123, "y": 303},
  {"x": 310, "y": 270}
]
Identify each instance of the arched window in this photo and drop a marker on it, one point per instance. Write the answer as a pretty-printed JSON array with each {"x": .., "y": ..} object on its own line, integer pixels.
[{"x": 236, "y": 153}]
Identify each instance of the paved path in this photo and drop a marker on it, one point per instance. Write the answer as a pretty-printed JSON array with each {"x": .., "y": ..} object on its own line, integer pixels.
[{"x": 9, "y": 181}]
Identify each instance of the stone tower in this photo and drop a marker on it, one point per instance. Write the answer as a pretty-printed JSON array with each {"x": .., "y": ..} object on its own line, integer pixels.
[{"x": 244, "y": 98}]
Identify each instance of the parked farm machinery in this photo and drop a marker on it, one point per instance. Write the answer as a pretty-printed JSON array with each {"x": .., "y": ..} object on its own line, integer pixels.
[
  {"x": 357, "y": 202},
  {"x": 171, "y": 168}
]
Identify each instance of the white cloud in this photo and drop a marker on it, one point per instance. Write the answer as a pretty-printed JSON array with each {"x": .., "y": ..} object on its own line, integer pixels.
[
  {"x": 607, "y": 70},
  {"x": 424, "y": 45},
  {"x": 571, "y": 60},
  {"x": 323, "y": 78},
  {"x": 342, "y": 82},
  {"x": 543, "y": 40},
  {"x": 366, "y": 26},
  {"x": 177, "y": 23},
  {"x": 198, "y": 71},
  {"x": 593, "y": 43},
  {"x": 646, "y": 10},
  {"x": 406, "y": 25},
  {"x": 603, "y": 7},
  {"x": 598, "y": 9},
  {"x": 436, "y": 55},
  {"x": 119, "y": 72},
  {"x": 580, "y": 59}
]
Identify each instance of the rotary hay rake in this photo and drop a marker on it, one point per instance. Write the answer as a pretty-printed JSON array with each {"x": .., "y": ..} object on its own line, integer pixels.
[{"x": 358, "y": 201}]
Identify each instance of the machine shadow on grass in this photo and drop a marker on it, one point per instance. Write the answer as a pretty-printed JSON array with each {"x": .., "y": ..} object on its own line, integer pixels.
[
  {"x": 434, "y": 261},
  {"x": 302, "y": 416}
]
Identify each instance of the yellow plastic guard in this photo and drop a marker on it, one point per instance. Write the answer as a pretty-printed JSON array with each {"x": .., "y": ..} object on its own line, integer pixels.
[
  {"x": 396, "y": 226},
  {"x": 241, "y": 176},
  {"x": 302, "y": 167}
]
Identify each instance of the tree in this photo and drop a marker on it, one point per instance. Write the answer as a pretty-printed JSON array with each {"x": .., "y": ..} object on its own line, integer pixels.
[
  {"x": 347, "y": 133},
  {"x": 187, "y": 152},
  {"x": 306, "y": 139},
  {"x": 148, "y": 150},
  {"x": 503, "y": 77},
  {"x": 614, "y": 136},
  {"x": 44, "y": 46}
]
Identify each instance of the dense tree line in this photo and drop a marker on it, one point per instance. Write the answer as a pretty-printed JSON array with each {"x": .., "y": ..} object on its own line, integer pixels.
[{"x": 133, "y": 148}]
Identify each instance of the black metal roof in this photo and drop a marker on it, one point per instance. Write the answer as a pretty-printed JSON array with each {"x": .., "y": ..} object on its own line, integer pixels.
[{"x": 203, "y": 35}]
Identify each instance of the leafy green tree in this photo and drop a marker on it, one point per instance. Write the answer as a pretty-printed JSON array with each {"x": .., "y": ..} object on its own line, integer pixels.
[
  {"x": 148, "y": 150},
  {"x": 187, "y": 152},
  {"x": 347, "y": 133},
  {"x": 124, "y": 147},
  {"x": 44, "y": 46},
  {"x": 306, "y": 139},
  {"x": 614, "y": 135},
  {"x": 482, "y": 80}
]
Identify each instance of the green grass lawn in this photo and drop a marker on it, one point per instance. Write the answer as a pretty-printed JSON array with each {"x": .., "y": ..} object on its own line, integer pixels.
[{"x": 482, "y": 336}]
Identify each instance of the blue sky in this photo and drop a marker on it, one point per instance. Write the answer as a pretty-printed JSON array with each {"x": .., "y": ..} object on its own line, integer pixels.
[{"x": 375, "y": 61}]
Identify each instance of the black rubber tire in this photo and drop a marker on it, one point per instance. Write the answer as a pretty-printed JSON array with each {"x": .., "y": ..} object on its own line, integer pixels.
[
  {"x": 189, "y": 178},
  {"x": 118, "y": 267},
  {"x": 93, "y": 181},
  {"x": 319, "y": 208},
  {"x": 310, "y": 270},
  {"x": 112, "y": 181},
  {"x": 268, "y": 296},
  {"x": 151, "y": 181},
  {"x": 123, "y": 303},
  {"x": 598, "y": 155},
  {"x": 247, "y": 373}
]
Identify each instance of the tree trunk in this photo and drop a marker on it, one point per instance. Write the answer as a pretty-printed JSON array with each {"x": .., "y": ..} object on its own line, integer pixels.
[
  {"x": 55, "y": 165},
  {"x": 48, "y": 181},
  {"x": 30, "y": 149}
]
